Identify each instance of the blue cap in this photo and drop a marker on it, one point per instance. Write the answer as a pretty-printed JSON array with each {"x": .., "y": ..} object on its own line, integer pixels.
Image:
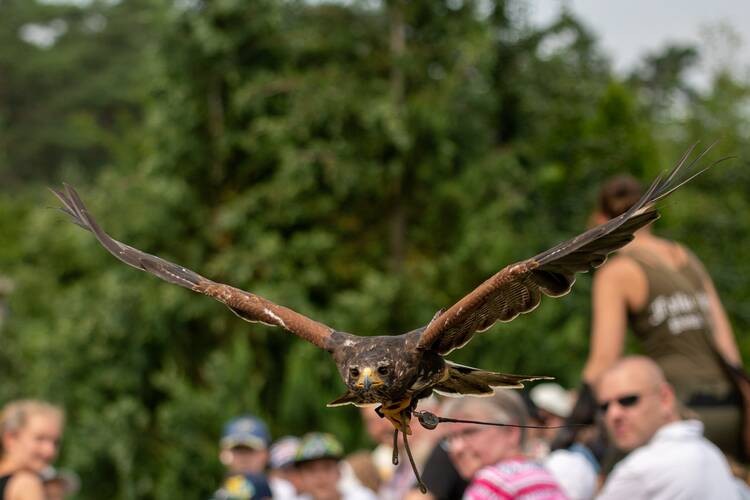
[{"x": 246, "y": 430}]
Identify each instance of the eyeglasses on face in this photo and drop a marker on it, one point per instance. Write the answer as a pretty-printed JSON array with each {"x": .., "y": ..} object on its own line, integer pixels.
[
  {"x": 450, "y": 439},
  {"x": 624, "y": 401}
]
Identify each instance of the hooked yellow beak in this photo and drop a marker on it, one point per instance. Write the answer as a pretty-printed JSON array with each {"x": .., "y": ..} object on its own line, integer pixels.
[{"x": 368, "y": 379}]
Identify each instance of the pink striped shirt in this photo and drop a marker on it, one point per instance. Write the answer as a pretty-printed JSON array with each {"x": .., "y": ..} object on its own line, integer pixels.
[{"x": 517, "y": 478}]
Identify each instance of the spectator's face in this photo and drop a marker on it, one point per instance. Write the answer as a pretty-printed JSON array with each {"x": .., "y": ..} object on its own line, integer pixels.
[
  {"x": 36, "y": 444},
  {"x": 293, "y": 475},
  {"x": 244, "y": 460},
  {"x": 636, "y": 406},
  {"x": 475, "y": 446},
  {"x": 320, "y": 478}
]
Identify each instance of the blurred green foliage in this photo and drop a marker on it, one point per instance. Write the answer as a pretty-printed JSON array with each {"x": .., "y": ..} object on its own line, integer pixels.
[{"x": 364, "y": 163}]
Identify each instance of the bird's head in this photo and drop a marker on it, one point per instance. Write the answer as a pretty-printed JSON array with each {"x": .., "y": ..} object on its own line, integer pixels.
[{"x": 366, "y": 375}]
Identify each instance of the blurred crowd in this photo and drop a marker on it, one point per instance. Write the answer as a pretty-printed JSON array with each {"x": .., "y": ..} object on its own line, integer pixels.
[
  {"x": 659, "y": 449},
  {"x": 659, "y": 446}
]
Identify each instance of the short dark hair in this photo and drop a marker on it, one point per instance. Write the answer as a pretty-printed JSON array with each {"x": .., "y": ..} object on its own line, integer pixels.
[{"x": 618, "y": 194}]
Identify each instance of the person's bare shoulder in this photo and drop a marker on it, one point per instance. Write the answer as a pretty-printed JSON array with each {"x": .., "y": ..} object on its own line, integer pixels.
[
  {"x": 617, "y": 268},
  {"x": 25, "y": 485},
  {"x": 624, "y": 274},
  {"x": 683, "y": 256}
]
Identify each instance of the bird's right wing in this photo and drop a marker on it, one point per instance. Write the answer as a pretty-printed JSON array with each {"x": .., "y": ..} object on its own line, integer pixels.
[
  {"x": 248, "y": 306},
  {"x": 518, "y": 288}
]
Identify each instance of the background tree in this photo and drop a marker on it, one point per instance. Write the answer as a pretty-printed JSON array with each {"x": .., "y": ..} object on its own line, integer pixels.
[{"x": 71, "y": 85}]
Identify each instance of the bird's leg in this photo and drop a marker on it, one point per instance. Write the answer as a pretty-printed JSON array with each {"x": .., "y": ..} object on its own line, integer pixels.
[
  {"x": 405, "y": 423},
  {"x": 395, "y": 413},
  {"x": 399, "y": 415},
  {"x": 394, "y": 459}
]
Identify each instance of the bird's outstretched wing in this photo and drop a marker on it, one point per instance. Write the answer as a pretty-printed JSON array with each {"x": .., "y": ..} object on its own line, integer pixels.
[
  {"x": 518, "y": 288},
  {"x": 248, "y": 306}
]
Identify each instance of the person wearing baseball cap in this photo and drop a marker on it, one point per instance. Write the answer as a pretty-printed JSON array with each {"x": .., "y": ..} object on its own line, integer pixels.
[
  {"x": 553, "y": 404},
  {"x": 244, "y": 452},
  {"x": 283, "y": 477},
  {"x": 247, "y": 431},
  {"x": 576, "y": 467},
  {"x": 318, "y": 461}
]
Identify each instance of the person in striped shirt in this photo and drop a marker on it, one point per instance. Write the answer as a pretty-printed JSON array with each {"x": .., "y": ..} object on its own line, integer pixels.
[{"x": 492, "y": 457}]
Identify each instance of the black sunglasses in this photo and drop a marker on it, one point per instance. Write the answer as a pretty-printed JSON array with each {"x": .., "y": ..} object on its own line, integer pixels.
[{"x": 625, "y": 402}]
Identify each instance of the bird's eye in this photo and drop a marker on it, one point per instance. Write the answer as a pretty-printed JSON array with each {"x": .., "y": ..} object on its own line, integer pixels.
[
  {"x": 383, "y": 370},
  {"x": 354, "y": 372}
]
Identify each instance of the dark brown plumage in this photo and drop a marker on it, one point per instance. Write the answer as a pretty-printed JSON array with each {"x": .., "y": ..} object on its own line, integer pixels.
[{"x": 396, "y": 371}]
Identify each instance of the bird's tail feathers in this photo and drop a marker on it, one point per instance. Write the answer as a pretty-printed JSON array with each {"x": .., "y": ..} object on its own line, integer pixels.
[{"x": 467, "y": 380}]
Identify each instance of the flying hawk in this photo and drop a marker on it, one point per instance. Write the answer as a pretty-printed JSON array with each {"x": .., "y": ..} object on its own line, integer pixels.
[{"x": 395, "y": 371}]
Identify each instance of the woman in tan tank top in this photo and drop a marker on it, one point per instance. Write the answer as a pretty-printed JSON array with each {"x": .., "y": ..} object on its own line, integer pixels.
[{"x": 661, "y": 291}]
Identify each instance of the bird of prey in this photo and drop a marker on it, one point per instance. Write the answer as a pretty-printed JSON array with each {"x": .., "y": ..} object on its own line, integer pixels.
[{"x": 395, "y": 371}]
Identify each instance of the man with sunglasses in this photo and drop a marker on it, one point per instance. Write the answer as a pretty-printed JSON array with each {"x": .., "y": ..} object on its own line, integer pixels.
[{"x": 669, "y": 457}]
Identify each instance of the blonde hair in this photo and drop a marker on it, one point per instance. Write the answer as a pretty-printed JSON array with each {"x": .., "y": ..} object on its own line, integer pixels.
[{"x": 15, "y": 415}]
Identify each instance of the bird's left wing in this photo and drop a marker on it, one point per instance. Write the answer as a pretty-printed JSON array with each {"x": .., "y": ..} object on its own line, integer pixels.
[
  {"x": 248, "y": 306},
  {"x": 518, "y": 288}
]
